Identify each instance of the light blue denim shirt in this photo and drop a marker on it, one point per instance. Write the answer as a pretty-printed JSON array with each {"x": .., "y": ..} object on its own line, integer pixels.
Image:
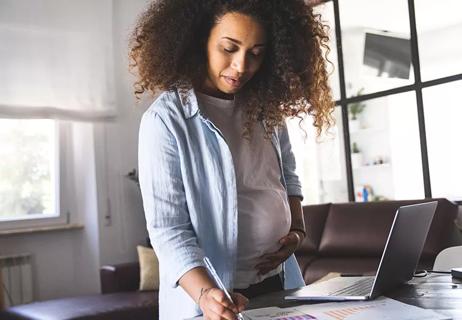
[{"x": 188, "y": 185}]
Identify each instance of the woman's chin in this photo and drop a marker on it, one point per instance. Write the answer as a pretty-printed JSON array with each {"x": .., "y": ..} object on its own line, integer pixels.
[{"x": 228, "y": 89}]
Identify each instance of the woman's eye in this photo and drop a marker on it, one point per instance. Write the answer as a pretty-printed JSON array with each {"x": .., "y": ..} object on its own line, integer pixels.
[
  {"x": 229, "y": 50},
  {"x": 256, "y": 54}
]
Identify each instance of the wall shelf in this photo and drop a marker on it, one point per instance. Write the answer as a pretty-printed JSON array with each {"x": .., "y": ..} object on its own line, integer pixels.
[{"x": 374, "y": 166}]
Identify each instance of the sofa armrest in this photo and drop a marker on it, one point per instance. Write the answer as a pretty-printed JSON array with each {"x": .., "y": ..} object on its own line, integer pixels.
[{"x": 120, "y": 277}]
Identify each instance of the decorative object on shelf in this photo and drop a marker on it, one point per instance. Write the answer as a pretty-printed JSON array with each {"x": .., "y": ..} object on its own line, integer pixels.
[
  {"x": 355, "y": 110},
  {"x": 364, "y": 193},
  {"x": 378, "y": 160},
  {"x": 379, "y": 198},
  {"x": 356, "y": 156},
  {"x": 358, "y": 194}
]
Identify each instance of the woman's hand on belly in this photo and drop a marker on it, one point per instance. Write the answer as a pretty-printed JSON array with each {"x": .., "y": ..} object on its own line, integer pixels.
[{"x": 271, "y": 261}]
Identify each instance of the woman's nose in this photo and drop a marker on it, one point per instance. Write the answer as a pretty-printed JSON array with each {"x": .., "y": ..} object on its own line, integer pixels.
[{"x": 239, "y": 63}]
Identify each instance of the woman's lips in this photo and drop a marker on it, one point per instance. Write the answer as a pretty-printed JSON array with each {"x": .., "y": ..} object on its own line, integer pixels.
[{"x": 236, "y": 83}]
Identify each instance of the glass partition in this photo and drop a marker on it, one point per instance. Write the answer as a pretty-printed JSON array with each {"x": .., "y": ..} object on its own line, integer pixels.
[
  {"x": 443, "y": 114},
  {"x": 376, "y": 45},
  {"x": 439, "y": 27},
  {"x": 326, "y": 10},
  {"x": 385, "y": 146},
  {"x": 320, "y": 161}
]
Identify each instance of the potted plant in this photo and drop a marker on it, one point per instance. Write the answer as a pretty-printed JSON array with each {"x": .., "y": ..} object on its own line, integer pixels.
[
  {"x": 356, "y": 156},
  {"x": 355, "y": 110}
]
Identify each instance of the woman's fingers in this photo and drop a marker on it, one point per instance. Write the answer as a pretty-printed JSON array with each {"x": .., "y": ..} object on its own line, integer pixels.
[
  {"x": 264, "y": 268},
  {"x": 216, "y": 306},
  {"x": 276, "y": 257},
  {"x": 240, "y": 301},
  {"x": 221, "y": 312},
  {"x": 270, "y": 261},
  {"x": 221, "y": 298}
]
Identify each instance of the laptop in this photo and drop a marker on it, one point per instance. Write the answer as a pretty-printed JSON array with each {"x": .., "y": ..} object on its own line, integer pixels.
[{"x": 397, "y": 265}]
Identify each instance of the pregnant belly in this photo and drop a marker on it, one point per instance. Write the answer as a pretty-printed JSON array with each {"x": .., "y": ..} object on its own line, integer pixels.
[{"x": 264, "y": 218}]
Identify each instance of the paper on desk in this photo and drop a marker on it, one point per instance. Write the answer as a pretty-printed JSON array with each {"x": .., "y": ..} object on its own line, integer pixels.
[
  {"x": 271, "y": 313},
  {"x": 381, "y": 308}
]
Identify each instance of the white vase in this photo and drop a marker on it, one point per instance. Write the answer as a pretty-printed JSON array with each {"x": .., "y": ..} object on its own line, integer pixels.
[
  {"x": 356, "y": 160},
  {"x": 354, "y": 125}
]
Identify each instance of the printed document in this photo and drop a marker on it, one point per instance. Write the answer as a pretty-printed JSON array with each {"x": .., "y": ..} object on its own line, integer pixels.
[{"x": 381, "y": 308}]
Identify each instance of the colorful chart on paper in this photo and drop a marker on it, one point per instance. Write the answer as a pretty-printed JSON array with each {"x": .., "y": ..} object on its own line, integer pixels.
[{"x": 303, "y": 317}]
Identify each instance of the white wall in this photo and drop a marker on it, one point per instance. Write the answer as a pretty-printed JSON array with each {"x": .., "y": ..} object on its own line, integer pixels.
[
  {"x": 117, "y": 146},
  {"x": 66, "y": 263}
]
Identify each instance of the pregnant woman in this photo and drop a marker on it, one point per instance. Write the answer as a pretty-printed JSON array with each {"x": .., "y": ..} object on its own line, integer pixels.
[{"x": 217, "y": 173}]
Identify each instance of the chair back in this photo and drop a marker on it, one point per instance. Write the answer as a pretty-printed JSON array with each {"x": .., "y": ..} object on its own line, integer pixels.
[{"x": 448, "y": 258}]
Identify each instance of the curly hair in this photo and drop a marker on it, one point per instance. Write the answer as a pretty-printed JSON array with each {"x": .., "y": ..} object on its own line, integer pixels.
[{"x": 168, "y": 51}]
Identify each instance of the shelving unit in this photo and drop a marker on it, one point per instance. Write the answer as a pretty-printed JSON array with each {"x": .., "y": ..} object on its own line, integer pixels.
[
  {"x": 374, "y": 166},
  {"x": 372, "y": 140}
]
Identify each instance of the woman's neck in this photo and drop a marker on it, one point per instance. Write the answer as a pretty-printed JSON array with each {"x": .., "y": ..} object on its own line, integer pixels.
[{"x": 207, "y": 88}]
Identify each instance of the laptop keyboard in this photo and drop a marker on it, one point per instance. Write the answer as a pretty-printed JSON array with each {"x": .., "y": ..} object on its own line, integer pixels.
[{"x": 361, "y": 287}]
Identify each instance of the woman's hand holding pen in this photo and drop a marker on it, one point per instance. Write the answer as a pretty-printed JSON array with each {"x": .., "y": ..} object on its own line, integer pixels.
[
  {"x": 216, "y": 306},
  {"x": 271, "y": 261}
]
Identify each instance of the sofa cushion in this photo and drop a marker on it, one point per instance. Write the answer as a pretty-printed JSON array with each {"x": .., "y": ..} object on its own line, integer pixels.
[
  {"x": 149, "y": 268},
  {"x": 304, "y": 262},
  {"x": 114, "y": 306},
  {"x": 357, "y": 229},
  {"x": 120, "y": 277},
  {"x": 315, "y": 217},
  {"x": 362, "y": 228},
  {"x": 441, "y": 229}
]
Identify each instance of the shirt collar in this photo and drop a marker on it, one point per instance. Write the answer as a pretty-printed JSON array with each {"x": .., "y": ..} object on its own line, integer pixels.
[{"x": 188, "y": 101}]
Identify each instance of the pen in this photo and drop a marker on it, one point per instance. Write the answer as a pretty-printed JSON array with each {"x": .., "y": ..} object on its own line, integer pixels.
[{"x": 220, "y": 284}]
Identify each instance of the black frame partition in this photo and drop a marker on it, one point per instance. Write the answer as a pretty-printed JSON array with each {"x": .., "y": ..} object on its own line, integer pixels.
[{"x": 416, "y": 87}]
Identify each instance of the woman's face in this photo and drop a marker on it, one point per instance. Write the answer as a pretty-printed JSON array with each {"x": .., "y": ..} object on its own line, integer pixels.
[{"x": 235, "y": 51}]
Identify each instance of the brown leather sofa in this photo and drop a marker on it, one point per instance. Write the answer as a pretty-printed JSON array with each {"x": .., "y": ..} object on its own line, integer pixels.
[
  {"x": 345, "y": 238},
  {"x": 120, "y": 300},
  {"x": 350, "y": 237}
]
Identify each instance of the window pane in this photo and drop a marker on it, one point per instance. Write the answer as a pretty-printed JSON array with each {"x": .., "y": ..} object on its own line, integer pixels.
[
  {"x": 443, "y": 113},
  {"x": 320, "y": 164},
  {"x": 386, "y": 156},
  {"x": 327, "y": 13},
  {"x": 27, "y": 169},
  {"x": 376, "y": 45},
  {"x": 439, "y": 27}
]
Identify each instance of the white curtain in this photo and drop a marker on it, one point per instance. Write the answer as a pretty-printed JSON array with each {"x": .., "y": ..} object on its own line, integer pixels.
[{"x": 56, "y": 59}]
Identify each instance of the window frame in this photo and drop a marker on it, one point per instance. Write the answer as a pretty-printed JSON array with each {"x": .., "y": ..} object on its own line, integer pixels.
[
  {"x": 416, "y": 87},
  {"x": 63, "y": 216}
]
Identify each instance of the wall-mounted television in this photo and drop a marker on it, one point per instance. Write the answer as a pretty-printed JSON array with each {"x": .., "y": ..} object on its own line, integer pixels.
[{"x": 387, "y": 55}]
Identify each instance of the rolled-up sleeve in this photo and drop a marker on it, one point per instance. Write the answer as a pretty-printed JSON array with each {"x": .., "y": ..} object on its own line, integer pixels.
[
  {"x": 164, "y": 201},
  {"x": 294, "y": 187}
]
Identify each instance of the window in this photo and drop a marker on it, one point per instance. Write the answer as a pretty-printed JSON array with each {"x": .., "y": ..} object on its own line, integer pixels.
[
  {"x": 30, "y": 173},
  {"x": 77, "y": 85},
  {"x": 440, "y": 49},
  {"x": 397, "y": 89},
  {"x": 442, "y": 122},
  {"x": 321, "y": 161},
  {"x": 385, "y": 149}
]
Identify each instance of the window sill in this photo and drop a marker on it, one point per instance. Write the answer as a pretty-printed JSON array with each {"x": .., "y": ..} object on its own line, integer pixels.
[{"x": 59, "y": 227}]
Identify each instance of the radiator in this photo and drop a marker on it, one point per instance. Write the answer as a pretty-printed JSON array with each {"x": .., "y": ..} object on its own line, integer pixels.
[{"x": 16, "y": 280}]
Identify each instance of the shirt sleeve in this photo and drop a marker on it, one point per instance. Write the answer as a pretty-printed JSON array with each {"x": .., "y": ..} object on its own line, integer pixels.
[
  {"x": 167, "y": 218},
  {"x": 294, "y": 187}
]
